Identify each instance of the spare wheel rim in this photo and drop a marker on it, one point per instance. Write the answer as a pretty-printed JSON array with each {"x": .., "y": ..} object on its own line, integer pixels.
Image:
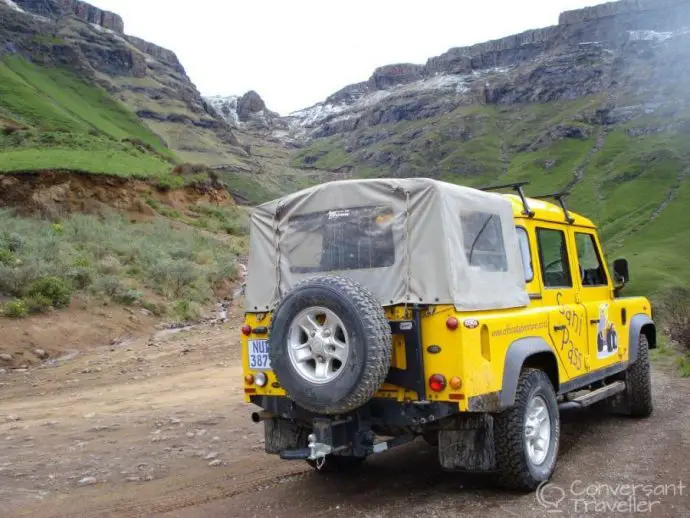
[{"x": 318, "y": 345}]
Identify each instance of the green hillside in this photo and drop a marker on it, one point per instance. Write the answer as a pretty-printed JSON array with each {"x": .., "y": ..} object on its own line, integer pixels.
[
  {"x": 629, "y": 177},
  {"x": 50, "y": 119}
]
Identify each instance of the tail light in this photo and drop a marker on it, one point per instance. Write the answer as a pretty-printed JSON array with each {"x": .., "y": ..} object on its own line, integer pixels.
[
  {"x": 246, "y": 329},
  {"x": 452, "y": 323},
  {"x": 455, "y": 383},
  {"x": 437, "y": 382}
]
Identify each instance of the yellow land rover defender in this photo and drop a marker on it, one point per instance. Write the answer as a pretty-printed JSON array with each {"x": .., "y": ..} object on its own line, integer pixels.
[{"x": 381, "y": 310}]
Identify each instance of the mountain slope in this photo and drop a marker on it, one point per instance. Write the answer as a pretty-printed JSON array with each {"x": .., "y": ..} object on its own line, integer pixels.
[
  {"x": 52, "y": 120},
  {"x": 596, "y": 105},
  {"x": 58, "y": 39}
]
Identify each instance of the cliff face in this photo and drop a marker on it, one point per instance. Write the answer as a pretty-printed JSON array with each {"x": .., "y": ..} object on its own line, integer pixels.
[
  {"x": 82, "y": 10},
  {"x": 590, "y": 51},
  {"x": 613, "y": 9}
]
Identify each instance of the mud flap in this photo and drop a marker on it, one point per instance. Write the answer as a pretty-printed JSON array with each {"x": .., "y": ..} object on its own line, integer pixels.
[
  {"x": 466, "y": 443},
  {"x": 281, "y": 434}
]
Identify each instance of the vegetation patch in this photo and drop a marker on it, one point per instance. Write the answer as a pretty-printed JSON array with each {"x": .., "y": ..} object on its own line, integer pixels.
[
  {"x": 153, "y": 264},
  {"x": 61, "y": 122}
]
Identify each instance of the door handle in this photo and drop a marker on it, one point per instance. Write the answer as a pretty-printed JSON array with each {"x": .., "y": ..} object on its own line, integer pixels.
[
  {"x": 594, "y": 321},
  {"x": 559, "y": 328}
]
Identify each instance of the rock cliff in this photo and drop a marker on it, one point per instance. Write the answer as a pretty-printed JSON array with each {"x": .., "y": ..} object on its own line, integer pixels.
[
  {"x": 589, "y": 50},
  {"x": 82, "y": 10}
]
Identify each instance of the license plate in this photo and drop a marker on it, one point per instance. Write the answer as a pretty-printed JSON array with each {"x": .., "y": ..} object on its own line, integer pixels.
[{"x": 258, "y": 355}]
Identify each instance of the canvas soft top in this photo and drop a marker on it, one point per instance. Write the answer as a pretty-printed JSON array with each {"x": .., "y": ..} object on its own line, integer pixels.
[{"x": 409, "y": 241}]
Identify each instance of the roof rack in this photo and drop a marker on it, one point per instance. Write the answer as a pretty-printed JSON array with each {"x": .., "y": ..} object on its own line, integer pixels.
[
  {"x": 560, "y": 198},
  {"x": 517, "y": 187}
]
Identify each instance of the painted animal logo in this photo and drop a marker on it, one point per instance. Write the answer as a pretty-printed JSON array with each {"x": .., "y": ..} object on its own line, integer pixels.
[{"x": 607, "y": 338}]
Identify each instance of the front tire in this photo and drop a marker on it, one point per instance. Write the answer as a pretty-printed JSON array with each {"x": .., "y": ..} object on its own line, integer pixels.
[
  {"x": 639, "y": 382},
  {"x": 527, "y": 436}
]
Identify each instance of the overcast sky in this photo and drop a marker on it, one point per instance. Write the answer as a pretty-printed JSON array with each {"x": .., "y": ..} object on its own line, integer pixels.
[{"x": 295, "y": 53}]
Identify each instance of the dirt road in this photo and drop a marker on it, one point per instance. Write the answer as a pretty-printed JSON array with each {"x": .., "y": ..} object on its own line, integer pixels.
[{"x": 158, "y": 427}]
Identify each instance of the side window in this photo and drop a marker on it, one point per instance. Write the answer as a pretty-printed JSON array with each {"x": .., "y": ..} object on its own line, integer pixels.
[
  {"x": 592, "y": 270},
  {"x": 525, "y": 253},
  {"x": 482, "y": 235},
  {"x": 553, "y": 255}
]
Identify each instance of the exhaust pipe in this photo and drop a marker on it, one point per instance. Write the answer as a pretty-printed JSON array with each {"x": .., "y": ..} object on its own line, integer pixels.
[{"x": 257, "y": 417}]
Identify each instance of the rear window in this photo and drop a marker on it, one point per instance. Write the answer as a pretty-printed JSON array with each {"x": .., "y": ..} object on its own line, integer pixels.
[
  {"x": 483, "y": 240},
  {"x": 344, "y": 239}
]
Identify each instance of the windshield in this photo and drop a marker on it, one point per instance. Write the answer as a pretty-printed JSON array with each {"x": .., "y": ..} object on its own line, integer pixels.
[{"x": 343, "y": 239}]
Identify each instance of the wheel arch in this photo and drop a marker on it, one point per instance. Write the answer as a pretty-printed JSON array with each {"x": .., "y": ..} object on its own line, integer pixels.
[
  {"x": 532, "y": 351},
  {"x": 641, "y": 324}
]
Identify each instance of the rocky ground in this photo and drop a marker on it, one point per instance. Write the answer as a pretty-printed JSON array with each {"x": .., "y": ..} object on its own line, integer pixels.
[{"x": 157, "y": 426}]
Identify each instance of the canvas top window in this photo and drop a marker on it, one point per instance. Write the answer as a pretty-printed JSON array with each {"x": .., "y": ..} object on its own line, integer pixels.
[
  {"x": 341, "y": 239},
  {"x": 482, "y": 234},
  {"x": 525, "y": 253}
]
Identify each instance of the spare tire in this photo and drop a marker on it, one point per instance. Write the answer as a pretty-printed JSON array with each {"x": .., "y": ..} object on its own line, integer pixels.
[{"x": 330, "y": 344}]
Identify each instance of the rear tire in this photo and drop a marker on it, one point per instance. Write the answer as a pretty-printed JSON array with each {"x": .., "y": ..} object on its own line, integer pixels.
[
  {"x": 639, "y": 382},
  {"x": 527, "y": 435}
]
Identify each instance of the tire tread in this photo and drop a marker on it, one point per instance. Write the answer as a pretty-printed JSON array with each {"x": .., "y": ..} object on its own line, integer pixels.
[
  {"x": 512, "y": 470},
  {"x": 639, "y": 382}
]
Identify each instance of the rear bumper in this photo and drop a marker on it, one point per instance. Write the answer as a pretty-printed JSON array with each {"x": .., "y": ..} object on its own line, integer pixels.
[{"x": 377, "y": 413}]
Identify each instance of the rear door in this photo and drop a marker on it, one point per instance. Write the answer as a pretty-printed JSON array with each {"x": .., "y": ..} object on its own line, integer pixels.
[
  {"x": 567, "y": 324},
  {"x": 605, "y": 319}
]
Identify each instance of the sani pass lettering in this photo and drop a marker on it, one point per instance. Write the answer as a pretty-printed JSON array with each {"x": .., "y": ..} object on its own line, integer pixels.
[{"x": 258, "y": 355}]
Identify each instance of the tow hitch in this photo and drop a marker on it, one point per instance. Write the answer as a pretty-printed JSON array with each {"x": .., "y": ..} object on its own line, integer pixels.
[{"x": 333, "y": 437}]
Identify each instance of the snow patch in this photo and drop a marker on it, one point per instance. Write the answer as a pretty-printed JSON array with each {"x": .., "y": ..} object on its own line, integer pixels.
[
  {"x": 312, "y": 116},
  {"x": 12, "y": 5},
  {"x": 650, "y": 36},
  {"x": 112, "y": 33},
  {"x": 226, "y": 106},
  {"x": 100, "y": 28},
  {"x": 318, "y": 112}
]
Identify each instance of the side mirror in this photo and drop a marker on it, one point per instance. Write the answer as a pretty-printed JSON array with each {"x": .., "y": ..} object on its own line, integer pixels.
[{"x": 621, "y": 271}]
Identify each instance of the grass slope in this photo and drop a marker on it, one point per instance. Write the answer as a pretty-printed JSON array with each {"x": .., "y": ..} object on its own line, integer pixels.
[
  {"x": 630, "y": 178},
  {"x": 54, "y": 120}
]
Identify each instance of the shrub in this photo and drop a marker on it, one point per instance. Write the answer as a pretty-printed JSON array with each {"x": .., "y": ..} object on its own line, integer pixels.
[
  {"x": 57, "y": 290},
  {"x": 109, "y": 265},
  {"x": 38, "y": 303},
  {"x": 186, "y": 311},
  {"x": 108, "y": 285},
  {"x": 157, "y": 309},
  {"x": 16, "y": 309},
  {"x": 127, "y": 296},
  {"x": 683, "y": 365},
  {"x": 80, "y": 277},
  {"x": 10, "y": 129},
  {"x": 673, "y": 310},
  {"x": 6, "y": 257},
  {"x": 13, "y": 241}
]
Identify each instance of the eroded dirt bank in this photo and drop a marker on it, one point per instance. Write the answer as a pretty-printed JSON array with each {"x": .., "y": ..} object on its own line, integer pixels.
[{"x": 62, "y": 192}]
